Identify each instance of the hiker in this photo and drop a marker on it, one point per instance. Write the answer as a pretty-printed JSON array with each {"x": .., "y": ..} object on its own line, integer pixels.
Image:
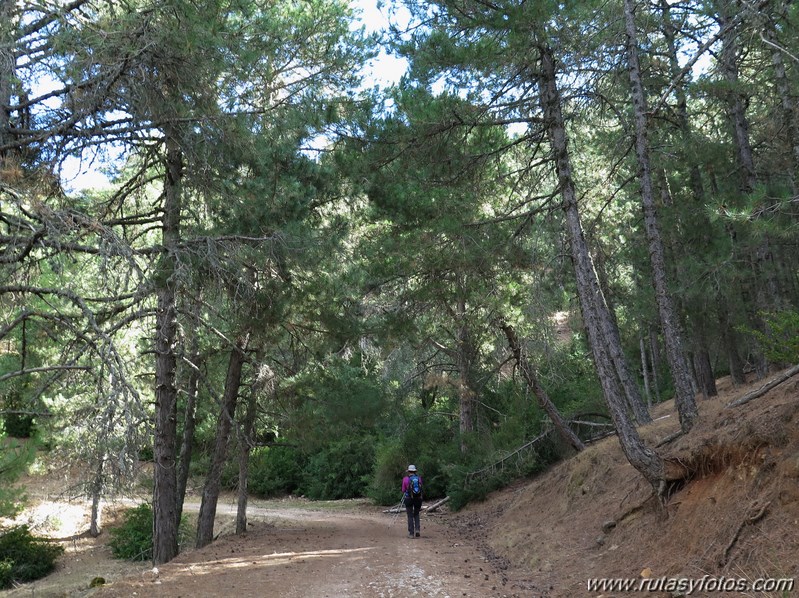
[{"x": 412, "y": 496}]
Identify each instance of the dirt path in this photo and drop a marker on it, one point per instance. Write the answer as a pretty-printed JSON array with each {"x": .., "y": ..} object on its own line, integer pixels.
[
  {"x": 294, "y": 549},
  {"x": 307, "y": 553}
]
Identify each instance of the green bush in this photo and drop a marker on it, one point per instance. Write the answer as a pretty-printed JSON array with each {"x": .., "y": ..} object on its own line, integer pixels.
[
  {"x": 133, "y": 540},
  {"x": 342, "y": 469},
  {"x": 15, "y": 455},
  {"x": 24, "y": 557},
  {"x": 275, "y": 471}
]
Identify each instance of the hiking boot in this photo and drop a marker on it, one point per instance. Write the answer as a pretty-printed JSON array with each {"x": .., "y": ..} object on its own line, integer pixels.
[{"x": 417, "y": 534}]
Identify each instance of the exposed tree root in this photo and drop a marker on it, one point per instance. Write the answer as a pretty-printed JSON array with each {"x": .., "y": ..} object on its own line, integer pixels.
[{"x": 750, "y": 520}]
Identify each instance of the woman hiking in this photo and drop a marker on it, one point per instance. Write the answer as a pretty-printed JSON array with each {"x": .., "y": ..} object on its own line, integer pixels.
[{"x": 412, "y": 496}]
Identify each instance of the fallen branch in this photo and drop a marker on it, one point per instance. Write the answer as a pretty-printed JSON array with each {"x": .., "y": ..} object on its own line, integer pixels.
[
  {"x": 776, "y": 381},
  {"x": 434, "y": 507}
]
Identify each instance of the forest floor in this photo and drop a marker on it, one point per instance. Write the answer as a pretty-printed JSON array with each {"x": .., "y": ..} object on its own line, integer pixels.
[{"x": 735, "y": 519}]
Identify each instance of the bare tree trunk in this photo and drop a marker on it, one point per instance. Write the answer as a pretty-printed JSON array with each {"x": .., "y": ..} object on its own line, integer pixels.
[
  {"x": 165, "y": 528},
  {"x": 655, "y": 352},
  {"x": 736, "y": 107},
  {"x": 189, "y": 424},
  {"x": 685, "y": 399},
  {"x": 246, "y": 436},
  {"x": 704, "y": 373},
  {"x": 783, "y": 86},
  {"x": 768, "y": 293},
  {"x": 210, "y": 498},
  {"x": 528, "y": 372},
  {"x": 683, "y": 122},
  {"x": 7, "y": 69},
  {"x": 645, "y": 370},
  {"x": 97, "y": 493},
  {"x": 644, "y": 459},
  {"x": 729, "y": 342},
  {"x": 465, "y": 360}
]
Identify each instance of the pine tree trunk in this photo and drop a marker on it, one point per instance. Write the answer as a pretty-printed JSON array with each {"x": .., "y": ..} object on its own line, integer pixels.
[
  {"x": 529, "y": 375},
  {"x": 189, "y": 424},
  {"x": 704, "y": 372},
  {"x": 654, "y": 349},
  {"x": 783, "y": 86},
  {"x": 210, "y": 497},
  {"x": 246, "y": 437},
  {"x": 165, "y": 529},
  {"x": 767, "y": 288},
  {"x": 465, "y": 363},
  {"x": 736, "y": 107},
  {"x": 7, "y": 69},
  {"x": 685, "y": 399},
  {"x": 97, "y": 492},
  {"x": 645, "y": 371},
  {"x": 683, "y": 122},
  {"x": 644, "y": 459}
]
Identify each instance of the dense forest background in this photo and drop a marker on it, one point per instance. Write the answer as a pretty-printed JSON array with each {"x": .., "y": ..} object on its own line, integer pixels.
[{"x": 296, "y": 282}]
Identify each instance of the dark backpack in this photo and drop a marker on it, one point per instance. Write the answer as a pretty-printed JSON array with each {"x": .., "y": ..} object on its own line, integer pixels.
[{"x": 414, "y": 486}]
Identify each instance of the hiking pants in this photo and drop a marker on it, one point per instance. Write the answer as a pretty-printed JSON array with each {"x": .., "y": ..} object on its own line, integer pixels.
[{"x": 412, "y": 508}]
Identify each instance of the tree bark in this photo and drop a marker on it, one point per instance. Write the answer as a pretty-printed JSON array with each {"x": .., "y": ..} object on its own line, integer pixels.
[
  {"x": 766, "y": 286},
  {"x": 210, "y": 497},
  {"x": 165, "y": 527},
  {"x": 645, "y": 370},
  {"x": 783, "y": 86},
  {"x": 7, "y": 68},
  {"x": 644, "y": 459},
  {"x": 675, "y": 354},
  {"x": 530, "y": 377},
  {"x": 189, "y": 424},
  {"x": 97, "y": 492},
  {"x": 654, "y": 350},
  {"x": 246, "y": 437},
  {"x": 465, "y": 361},
  {"x": 736, "y": 106}
]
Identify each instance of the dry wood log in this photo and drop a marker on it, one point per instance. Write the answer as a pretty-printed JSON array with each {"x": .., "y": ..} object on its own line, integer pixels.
[
  {"x": 434, "y": 506},
  {"x": 776, "y": 381}
]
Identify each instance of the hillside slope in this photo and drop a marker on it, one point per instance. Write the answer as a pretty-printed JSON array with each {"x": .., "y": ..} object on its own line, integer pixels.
[{"x": 594, "y": 516}]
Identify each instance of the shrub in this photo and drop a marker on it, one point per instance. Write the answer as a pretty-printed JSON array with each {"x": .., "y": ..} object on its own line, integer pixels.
[
  {"x": 342, "y": 469},
  {"x": 275, "y": 471},
  {"x": 133, "y": 540},
  {"x": 24, "y": 557}
]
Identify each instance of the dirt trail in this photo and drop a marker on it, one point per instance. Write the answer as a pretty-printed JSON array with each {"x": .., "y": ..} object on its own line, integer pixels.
[
  {"x": 294, "y": 549},
  {"x": 301, "y": 553}
]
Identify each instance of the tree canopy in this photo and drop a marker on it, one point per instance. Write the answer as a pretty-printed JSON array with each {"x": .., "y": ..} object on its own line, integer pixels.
[{"x": 560, "y": 214}]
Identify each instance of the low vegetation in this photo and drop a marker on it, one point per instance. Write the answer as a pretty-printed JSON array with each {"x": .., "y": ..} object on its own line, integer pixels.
[{"x": 25, "y": 557}]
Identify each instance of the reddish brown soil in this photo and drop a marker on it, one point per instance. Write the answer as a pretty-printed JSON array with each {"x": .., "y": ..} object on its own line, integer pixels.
[{"x": 592, "y": 516}]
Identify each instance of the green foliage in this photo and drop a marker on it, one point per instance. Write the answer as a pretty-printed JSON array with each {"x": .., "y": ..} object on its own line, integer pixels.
[
  {"x": 342, "y": 470},
  {"x": 133, "y": 539},
  {"x": 571, "y": 381},
  {"x": 15, "y": 455},
  {"x": 424, "y": 438},
  {"x": 24, "y": 557},
  {"x": 780, "y": 340},
  {"x": 275, "y": 471},
  {"x": 19, "y": 425}
]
